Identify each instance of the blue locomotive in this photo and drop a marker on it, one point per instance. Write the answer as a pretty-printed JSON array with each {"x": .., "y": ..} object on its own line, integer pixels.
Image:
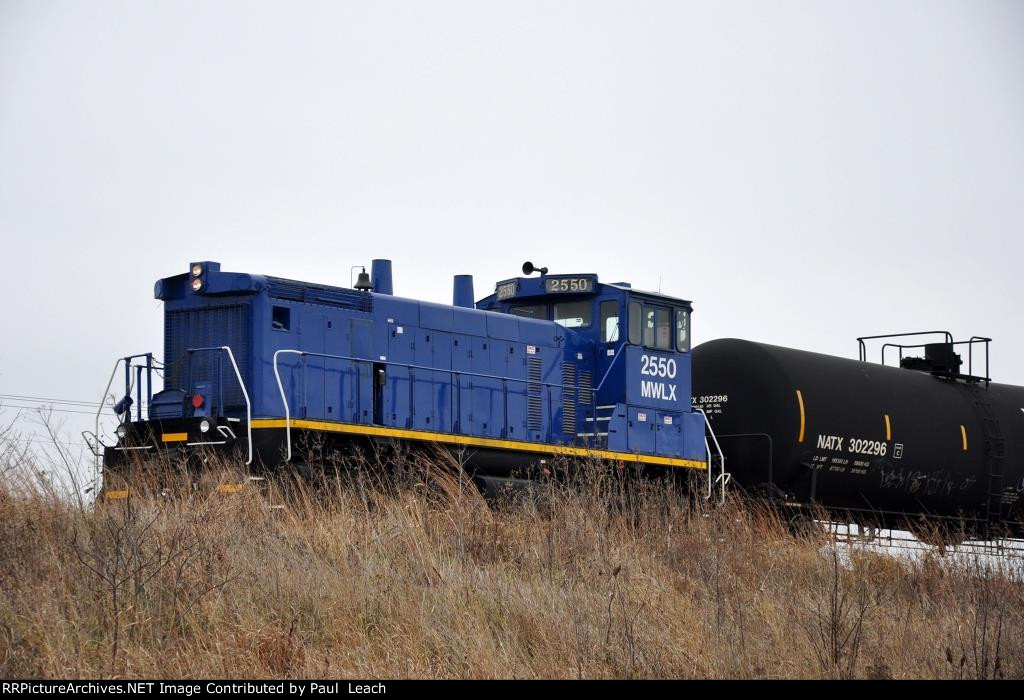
[{"x": 547, "y": 365}]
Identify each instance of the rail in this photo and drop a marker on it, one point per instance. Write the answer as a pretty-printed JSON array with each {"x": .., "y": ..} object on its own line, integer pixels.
[{"x": 886, "y": 539}]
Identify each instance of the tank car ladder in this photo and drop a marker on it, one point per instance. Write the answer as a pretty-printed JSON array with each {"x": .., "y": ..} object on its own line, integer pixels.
[{"x": 995, "y": 456}]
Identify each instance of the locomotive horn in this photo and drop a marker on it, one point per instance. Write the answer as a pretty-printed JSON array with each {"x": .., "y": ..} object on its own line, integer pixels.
[{"x": 529, "y": 269}]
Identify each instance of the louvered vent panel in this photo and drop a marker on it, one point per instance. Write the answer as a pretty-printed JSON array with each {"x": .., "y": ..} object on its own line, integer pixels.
[
  {"x": 569, "y": 398},
  {"x": 586, "y": 389},
  {"x": 533, "y": 394}
]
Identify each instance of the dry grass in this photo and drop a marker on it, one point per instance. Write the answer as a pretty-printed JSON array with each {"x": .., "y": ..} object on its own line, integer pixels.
[{"x": 418, "y": 578}]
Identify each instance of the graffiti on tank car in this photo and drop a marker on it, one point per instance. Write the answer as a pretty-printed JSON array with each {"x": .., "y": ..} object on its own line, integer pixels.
[{"x": 926, "y": 483}]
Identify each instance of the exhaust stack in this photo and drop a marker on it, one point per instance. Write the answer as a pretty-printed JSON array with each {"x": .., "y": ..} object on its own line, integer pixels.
[
  {"x": 380, "y": 273},
  {"x": 462, "y": 292}
]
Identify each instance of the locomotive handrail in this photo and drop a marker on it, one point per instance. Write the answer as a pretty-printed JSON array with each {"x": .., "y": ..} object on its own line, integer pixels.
[
  {"x": 97, "y": 462},
  {"x": 607, "y": 371},
  {"x": 97, "y": 454},
  {"x": 245, "y": 393},
  {"x": 723, "y": 476},
  {"x": 457, "y": 373},
  {"x": 707, "y": 450}
]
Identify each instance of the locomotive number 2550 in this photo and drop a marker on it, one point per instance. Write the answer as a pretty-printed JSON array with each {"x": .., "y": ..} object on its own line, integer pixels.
[{"x": 658, "y": 366}]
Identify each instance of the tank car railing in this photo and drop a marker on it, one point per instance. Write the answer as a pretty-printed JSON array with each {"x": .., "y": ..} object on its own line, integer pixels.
[
  {"x": 970, "y": 354},
  {"x": 723, "y": 476},
  {"x": 455, "y": 373},
  {"x": 241, "y": 384},
  {"x": 976, "y": 339},
  {"x": 864, "y": 348}
]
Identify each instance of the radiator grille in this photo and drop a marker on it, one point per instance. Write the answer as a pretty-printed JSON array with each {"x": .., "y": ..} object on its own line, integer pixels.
[
  {"x": 212, "y": 326},
  {"x": 534, "y": 392}
]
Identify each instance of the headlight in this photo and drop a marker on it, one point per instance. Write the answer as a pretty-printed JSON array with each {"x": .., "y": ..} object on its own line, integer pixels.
[
  {"x": 197, "y": 270},
  {"x": 121, "y": 431},
  {"x": 197, "y": 284},
  {"x": 204, "y": 426}
]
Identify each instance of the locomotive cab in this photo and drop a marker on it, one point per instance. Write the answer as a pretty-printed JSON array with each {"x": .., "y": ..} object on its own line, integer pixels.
[{"x": 630, "y": 347}]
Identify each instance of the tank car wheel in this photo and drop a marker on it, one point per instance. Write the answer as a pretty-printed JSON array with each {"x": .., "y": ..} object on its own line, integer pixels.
[
  {"x": 801, "y": 525},
  {"x": 934, "y": 534}
]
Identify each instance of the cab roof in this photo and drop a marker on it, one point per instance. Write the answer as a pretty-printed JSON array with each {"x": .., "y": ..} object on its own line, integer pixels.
[{"x": 513, "y": 289}]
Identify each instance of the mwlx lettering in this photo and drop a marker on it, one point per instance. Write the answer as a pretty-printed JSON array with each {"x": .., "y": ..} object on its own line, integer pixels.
[
  {"x": 830, "y": 442},
  {"x": 657, "y": 390}
]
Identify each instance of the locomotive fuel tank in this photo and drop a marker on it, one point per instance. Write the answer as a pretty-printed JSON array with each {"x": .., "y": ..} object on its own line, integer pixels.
[{"x": 878, "y": 443}]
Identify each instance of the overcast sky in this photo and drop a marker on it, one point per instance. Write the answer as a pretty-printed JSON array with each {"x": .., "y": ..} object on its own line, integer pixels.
[{"x": 805, "y": 172}]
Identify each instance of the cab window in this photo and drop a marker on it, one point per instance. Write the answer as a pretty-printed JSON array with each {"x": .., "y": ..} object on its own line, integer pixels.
[
  {"x": 657, "y": 327},
  {"x": 537, "y": 311},
  {"x": 573, "y": 314},
  {"x": 662, "y": 328},
  {"x": 636, "y": 322},
  {"x": 609, "y": 321},
  {"x": 682, "y": 330}
]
